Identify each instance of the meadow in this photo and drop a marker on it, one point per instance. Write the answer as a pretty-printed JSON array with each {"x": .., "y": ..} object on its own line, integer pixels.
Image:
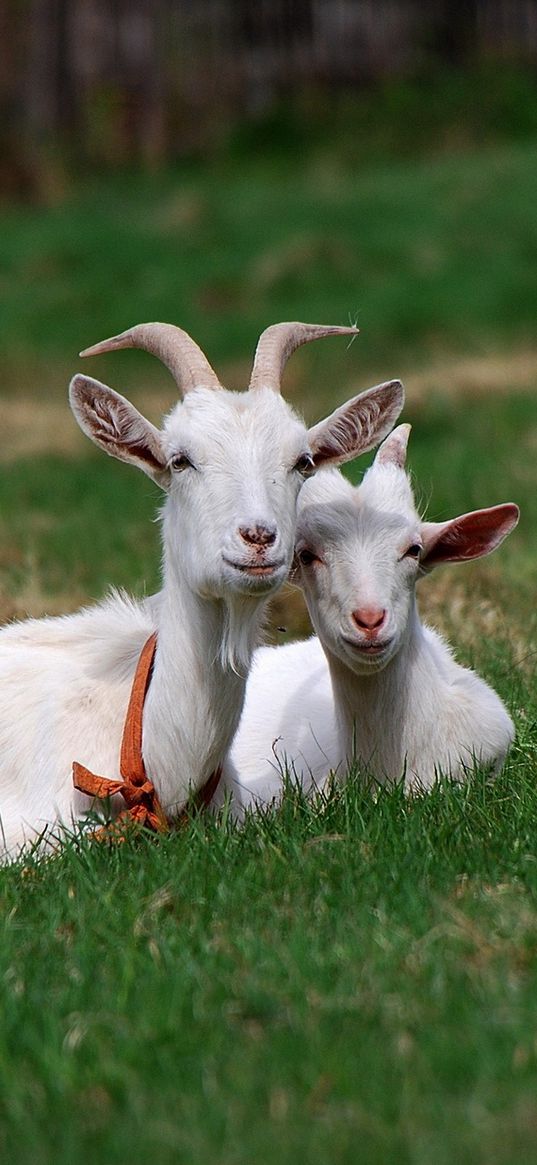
[{"x": 351, "y": 981}]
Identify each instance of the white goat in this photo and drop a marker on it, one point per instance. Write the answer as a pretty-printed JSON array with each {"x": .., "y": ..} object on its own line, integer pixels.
[
  {"x": 377, "y": 686},
  {"x": 231, "y": 465}
]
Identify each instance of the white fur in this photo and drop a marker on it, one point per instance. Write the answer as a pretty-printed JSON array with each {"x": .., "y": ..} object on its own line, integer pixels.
[
  {"x": 65, "y": 682},
  {"x": 316, "y": 706}
]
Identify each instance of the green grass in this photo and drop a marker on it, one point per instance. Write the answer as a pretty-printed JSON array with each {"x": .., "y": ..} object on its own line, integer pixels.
[
  {"x": 354, "y": 981},
  {"x": 427, "y": 255},
  {"x": 362, "y": 973},
  {"x": 79, "y": 525}
]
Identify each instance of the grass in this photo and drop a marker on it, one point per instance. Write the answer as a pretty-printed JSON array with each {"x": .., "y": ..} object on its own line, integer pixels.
[
  {"x": 354, "y": 980},
  {"x": 382, "y": 990},
  {"x": 361, "y": 972},
  {"x": 428, "y": 256}
]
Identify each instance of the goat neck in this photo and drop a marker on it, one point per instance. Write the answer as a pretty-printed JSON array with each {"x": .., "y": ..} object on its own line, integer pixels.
[
  {"x": 365, "y": 702},
  {"x": 195, "y": 699}
]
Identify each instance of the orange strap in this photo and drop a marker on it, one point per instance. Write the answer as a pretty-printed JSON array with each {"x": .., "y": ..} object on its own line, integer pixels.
[
  {"x": 131, "y": 761},
  {"x": 139, "y": 793}
]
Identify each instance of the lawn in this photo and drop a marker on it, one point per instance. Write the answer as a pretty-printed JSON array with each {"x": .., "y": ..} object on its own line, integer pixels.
[
  {"x": 431, "y": 255},
  {"x": 353, "y": 981}
]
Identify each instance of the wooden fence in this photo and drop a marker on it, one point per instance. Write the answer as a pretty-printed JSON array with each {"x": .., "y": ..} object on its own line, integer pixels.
[{"x": 125, "y": 80}]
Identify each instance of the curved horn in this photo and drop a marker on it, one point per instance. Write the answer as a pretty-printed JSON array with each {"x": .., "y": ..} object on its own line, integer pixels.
[
  {"x": 277, "y": 343},
  {"x": 177, "y": 350}
]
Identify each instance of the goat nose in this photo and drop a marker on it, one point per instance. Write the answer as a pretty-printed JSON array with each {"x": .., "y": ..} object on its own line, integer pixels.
[
  {"x": 369, "y": 618},
  {"x": 258, "y": 534}
]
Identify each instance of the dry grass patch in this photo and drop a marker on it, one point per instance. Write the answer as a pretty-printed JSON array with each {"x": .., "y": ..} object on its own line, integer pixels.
[
  {"x": 29, "y": 599},
  {"x": 32, "y": 425},
  {"x": 496, "y": 372},
  {"x": 451, "y": 377}
]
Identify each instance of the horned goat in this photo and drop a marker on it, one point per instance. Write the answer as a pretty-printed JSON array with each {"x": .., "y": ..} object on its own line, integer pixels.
[
  {"x": 377, "y": 686},
  {"x": 231, "y": 466}
]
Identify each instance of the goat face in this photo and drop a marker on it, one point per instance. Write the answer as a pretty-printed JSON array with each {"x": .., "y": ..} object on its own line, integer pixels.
[
  {"x": 358, "y": 568},
  {"x": 236, "y": 462},
  {"x": 232, "y": 465},
  {"x": 360, "y": 552}
]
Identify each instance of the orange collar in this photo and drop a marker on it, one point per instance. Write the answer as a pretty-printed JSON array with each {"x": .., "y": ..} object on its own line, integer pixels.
[{"x": 139, "y": 793}]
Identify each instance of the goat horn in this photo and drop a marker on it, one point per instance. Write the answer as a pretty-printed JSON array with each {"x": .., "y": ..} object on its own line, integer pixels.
[
  {"x": 177, "y": 350},
  {"x": 277, "y": 343}
]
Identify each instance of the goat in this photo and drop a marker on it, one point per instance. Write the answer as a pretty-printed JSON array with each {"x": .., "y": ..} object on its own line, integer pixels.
[
  {"x": 231, "y": 466},
  {"x": 377, "y": 686}
]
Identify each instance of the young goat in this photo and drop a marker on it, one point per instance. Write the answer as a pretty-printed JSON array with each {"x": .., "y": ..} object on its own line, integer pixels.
[
  {"x": 231, "y": 465},
  {"x": 377, "y": 686}
]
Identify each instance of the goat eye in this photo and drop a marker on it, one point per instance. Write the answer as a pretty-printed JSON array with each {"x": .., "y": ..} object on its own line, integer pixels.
[
  {"x": 179, "y": 462},
  {"x": 413, "y": 551},
  {"x": 305, "y": 465},
  {"x": 306, "y": 557}
]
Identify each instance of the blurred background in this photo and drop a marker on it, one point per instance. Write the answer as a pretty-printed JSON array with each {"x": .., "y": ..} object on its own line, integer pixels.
[{"x": 223, "y": 164}]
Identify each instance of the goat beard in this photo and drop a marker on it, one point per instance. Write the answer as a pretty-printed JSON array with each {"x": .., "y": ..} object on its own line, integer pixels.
[{"x": 245, "y": 618}]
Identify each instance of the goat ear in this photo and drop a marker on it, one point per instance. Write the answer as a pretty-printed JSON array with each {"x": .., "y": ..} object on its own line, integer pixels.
[
  {"x": 393, "y": 449},
  {"x": 358, "y": 425},
  {"x": 117, "y": 427},
  {"x": 470, "y": 536}
]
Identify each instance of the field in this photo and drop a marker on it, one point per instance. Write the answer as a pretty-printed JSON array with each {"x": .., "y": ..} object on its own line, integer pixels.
[{"x": 354, "y": 982}]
